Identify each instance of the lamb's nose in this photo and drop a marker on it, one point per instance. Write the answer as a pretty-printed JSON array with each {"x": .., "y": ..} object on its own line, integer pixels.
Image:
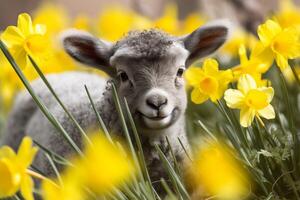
[{"x": 156, "y": 101}]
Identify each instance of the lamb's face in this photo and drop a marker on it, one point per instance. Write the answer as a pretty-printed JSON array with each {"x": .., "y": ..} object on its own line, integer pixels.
[
  {"x": 148, "y": 68},
  {"x": 153, "y": 87}
]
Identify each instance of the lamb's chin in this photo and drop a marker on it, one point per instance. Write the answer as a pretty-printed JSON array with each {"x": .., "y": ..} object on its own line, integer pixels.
[{"x": 158, "y": 123}]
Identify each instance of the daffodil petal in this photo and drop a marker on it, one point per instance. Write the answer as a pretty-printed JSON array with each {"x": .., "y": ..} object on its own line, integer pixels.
[
  {"x": 246, "y": 116},
  {"x": 268, "y": 112},
  {"x": 234, "y": 98},
  {"x": 12, "y": 36},
  {"x": 27, "y": 187},
  {"x": 193, "y": 75},
  {"x": 269, "y": 91},
  {"x": 7, "y": 152},
  {"x": 281, "y": 61},
  {"x": 210, "y": 67},
  {"x": 26, "y": 152},
  {"x": 268, "y": 31},
  {"x": 246, "y": 83},
  {"x": 198, "y": 97},
  {"x": 243, "y": 54},
  {"x": 10, "y": 178},
  {"x": 25, "y": 24}
]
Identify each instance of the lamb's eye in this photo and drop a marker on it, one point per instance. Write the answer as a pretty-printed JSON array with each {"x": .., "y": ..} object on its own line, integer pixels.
[
  {"x": 180, "y": 72},
  {"x": 123, "y": 76}
]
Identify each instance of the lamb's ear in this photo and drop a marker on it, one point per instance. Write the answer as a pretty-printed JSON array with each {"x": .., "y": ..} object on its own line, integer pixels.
[
  {"x": 88, "y": 49},
  {"x": 205, "y": 40}
]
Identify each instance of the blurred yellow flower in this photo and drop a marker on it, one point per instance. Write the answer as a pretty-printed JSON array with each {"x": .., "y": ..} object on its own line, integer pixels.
[
  {"x": 208, "y": 82},
  {"x": 69, "y": 190},
  {"x": 14, "y": 172},
  {"x": 255, "y": 66},
  {"x": 82, "y": 22},
  {"x": 26, "y": 39},
  {"x": 191, "y": 23},
  {"x": 219, "y": 173},
  {"x": 253, "y": 101},
  {"x": 281, "y": 44},
  {"x": 53, "y": 17},
  {"x": 103, "y": 168},
  {"x": 169, "y": 20},
  {"x": 115, "y": 22},
  {"x": 239, "y": 37},
  {"x": 288, "y": 14}
]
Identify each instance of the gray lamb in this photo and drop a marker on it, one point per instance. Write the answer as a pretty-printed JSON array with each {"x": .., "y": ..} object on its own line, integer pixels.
[{"x": 147, "y": 67}]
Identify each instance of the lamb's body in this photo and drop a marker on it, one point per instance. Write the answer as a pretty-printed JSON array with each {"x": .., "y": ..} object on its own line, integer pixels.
[
  {"x": 147, "y": 68},
  {"x": 27, "y": 118}
]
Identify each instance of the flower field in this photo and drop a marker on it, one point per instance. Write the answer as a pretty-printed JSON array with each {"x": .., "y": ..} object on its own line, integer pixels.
[{"x": 242, "y": 117}]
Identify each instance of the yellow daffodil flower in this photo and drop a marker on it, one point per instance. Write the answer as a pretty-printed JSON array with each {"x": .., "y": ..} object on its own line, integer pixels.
[
  {"x": 253, "y": 101},
  {"x": 219, "y": 173},
  {"x": 82, "y": 22},
  {"x": 208, "y": 82},
  {"x": 69, "y": 190},
  {"x": 288, "y": 14},
  {"x": 239, "y": 37},
  {"x": 14, "y": 170},
  {"x": 191, "y": 23},
  {"x": 255, "y": 66},
  {"x": 289, "y": 75},
  {"x": 53, "y": 17},
  {"x": 115, "y": 22},
  {"x": 169, "y": 20},
  {"x": 26, "y": 39},
  {"x": 281, "y": 43},
  {"x": 103, "y": 167}
]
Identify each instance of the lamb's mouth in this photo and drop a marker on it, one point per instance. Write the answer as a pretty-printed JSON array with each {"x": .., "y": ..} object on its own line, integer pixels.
[{"x": 159, "y": 122}]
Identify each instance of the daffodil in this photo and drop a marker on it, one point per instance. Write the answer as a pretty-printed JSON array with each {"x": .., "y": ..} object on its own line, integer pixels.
[
  {"x": 238, "y": 38},
  {"x": 26, "y": 39},
  {"x": 115, "y": 22},
  {"x": 255, "y": 66},
  {"x": 105, "y": 166},
  {"x": 82, "y": 22},
  {"x": 253, "y": 101},
  {"x": 14, "y": 170},
  {"x": 169, "y": 20},
  {"x": 288, "y": 14},
  {"x": 208, "y": 82},
  {"x": 289, "y": 75},
  {"x": 191, "y": 23},
  {"x": 219, "y": 173},
  {"x": 281, "y": 43},
  {"x": 69, "y": 190},
  {"x": 53, "y": 17}
]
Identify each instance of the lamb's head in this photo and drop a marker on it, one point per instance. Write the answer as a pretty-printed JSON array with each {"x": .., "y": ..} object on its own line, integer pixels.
[{"x": 148, "y": 68}]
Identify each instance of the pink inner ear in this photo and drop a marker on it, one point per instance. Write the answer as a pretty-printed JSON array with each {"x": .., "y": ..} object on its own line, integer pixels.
[
  {"x": 84, "y": 50},
  {"x": 209, "y": 41}
]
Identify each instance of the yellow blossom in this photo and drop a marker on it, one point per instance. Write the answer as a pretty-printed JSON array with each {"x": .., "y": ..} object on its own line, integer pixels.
[
  {"x": 208, "y": 82},
  {"x": 53, "y": 17},
  {"x": 169, "y": 20},
  {"x": 26, "y": 39},
  {"x": 219, "y": 173},
  {"x": 253, "y": 101},
  {"x": 82, "y": 22},
  {"x": 103, "y": 167},
  {"x": 255, "y": 66},
  {"x": 281, "y": 43},
  {"x": 14, "y": 172},
  {"x": 239, "y": 37},
  {"x": 115, "y": 22},
  {"x": 288, "y": 14},
  {"x": 191, "y": 23},
  {"x": 289, "y": 75}
]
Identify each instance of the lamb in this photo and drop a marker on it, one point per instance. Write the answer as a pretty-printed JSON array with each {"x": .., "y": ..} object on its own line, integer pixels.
[{"x": 147, "y": 67}]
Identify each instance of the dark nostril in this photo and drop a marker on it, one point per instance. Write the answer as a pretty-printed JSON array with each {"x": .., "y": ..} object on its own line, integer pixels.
[{"x": 156, "y": 102}]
